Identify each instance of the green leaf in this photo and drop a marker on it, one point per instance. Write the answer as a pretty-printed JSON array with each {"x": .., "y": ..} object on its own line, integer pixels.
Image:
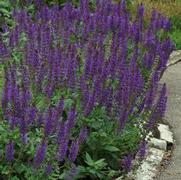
[
  {"x": 89, "y": 160},
  {"x": 68, "y": 103},
  {"x": 14, "y": 178},
  {"x": 92, "y": 171},
  {"x": 101, "y": 163},
  {"x": 111, "y": 148},
  {"x": 5, "y": 170},
  {"x": 5, "y": 12},
  {"x": 62, "y": 176},
  {"x": 4, "y": 4}
]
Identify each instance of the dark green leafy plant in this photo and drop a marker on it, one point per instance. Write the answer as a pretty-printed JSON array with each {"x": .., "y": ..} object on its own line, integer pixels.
[{"x": 78, "y": 93}]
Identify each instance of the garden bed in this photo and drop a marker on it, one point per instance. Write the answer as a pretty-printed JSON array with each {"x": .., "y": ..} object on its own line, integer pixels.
[{"x": 80, "y": 90}]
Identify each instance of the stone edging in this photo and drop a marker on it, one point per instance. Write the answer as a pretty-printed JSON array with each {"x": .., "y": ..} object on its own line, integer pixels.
[
  {"x": 156, "y": 150},
  {"x": 175, "y": 57},
  {"x": 155, "y": 154}
]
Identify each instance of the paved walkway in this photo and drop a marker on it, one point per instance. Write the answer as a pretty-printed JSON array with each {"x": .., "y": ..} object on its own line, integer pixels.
[{"x": 172, "y": 77}]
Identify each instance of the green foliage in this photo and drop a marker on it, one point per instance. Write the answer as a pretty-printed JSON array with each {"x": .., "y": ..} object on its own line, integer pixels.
[
  {"x": 175, "y": 33},
  {"x": 22, "y": 168},
  {"x": 7, "y": 7},
  {"x": 176, "y": 22},
  {"x": 5, "y": 12},
  {"x": 105, "y": 146},
  {"x": 61, "y": 2},
  {"x": 94, "y": 169},
  {"x": 176, "y": 38},
  {"x": 102, "y": 151}
]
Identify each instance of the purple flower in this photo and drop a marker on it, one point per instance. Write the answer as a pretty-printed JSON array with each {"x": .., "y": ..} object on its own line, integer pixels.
[
  {"x": 127, "y": 162},
  {"x": 9, "y": 153},
  {"x": 122, "y": 120},
  {"x": 101, "y": 59},
  {"x": 48, "y": 123},
  {"x": 48, "y": 170},
  {"x": 62, "y": 149},
  {"x": 162, "y": 101},
  {"x": 140, "y": 10},
  {"x": 12, "y": 122},
  {"x": 90, "y": 104},
  {"x": 62, "y": 133},
  {"x": 73, "y": 151},
  {"x": 82, "y": 135},
  {"x": 31, "y": 114},
  {"x": 22, "y": 126},
  {"x": 71, "y": 119},
  {"x": 60, "y": 107},
  {"x": 151, "y": 121},
  {"x": 40, "y": 119},
  {"x": 142, "y": 149},
  {"x": 149, "y": 97},
  {"x": 39, "y": 154},
  {"x": 71, "y": 173},
  {"x": 159, "y": 109},
  {"x": 24, "y": 138}
]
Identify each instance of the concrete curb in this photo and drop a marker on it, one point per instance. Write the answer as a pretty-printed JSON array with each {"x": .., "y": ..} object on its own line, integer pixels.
[
  {"x": 156, "y": 150},
  {"x": 175, "y": 57}
]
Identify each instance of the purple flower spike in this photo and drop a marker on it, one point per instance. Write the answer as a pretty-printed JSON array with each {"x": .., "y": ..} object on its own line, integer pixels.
[
  {"x": 62, "y": 150},
  {"x": 142, "y": 149},
  {"x": 122, "y": 120},
  {"x": 48, "y": 170},
  {"x": 71, "y": 119},
  {"x": 40, "y": 154},
  {"x": 104, "y": 61},
  {"x": 127, "y": 162},
  {"x": 73, "y": 152},
  {"x": 9, "y": 151},
  {"x": 82, "y": 135},
  {"x": 71, "y": 173}
]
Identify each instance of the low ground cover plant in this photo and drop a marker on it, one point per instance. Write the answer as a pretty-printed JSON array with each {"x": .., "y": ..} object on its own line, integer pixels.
[{"x": 80, "y": 90}]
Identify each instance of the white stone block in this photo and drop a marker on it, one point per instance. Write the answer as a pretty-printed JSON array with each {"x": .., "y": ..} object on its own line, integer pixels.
[
  {"x": 165, "y": 133},
  {"x": 163, "y": 126},
  {"x": 148, "y": 169},
  {"x": 159, "y": 143}
]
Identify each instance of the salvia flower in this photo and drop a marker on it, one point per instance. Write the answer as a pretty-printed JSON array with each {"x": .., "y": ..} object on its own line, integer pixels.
[
  {"x": 73, "y": 152},
  {"x": 83, "y": 135},
  {"x": 122, "y": 119},
  {"x": 98, "y": 59},
  {"x": 161, "y": 105},
  {"x": 71, "y": 173},
  {"x": 127, "y": 163},
  {"x": 9, "y": 153},
  {"x": 142, "y": 149},
  {"x": 71, "y": 119},
  {"x": 39, "y": 154},
  {"x": 48, "y": 169},
  {"x": 62, "y": 150}
]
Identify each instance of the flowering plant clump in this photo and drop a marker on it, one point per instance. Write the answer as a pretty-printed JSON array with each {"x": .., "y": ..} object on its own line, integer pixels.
[{"x": 80, "y": 90}]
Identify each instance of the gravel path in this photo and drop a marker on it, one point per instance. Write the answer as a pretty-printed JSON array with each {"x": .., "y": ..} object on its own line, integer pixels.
[{"x": 172, "y": 77}]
